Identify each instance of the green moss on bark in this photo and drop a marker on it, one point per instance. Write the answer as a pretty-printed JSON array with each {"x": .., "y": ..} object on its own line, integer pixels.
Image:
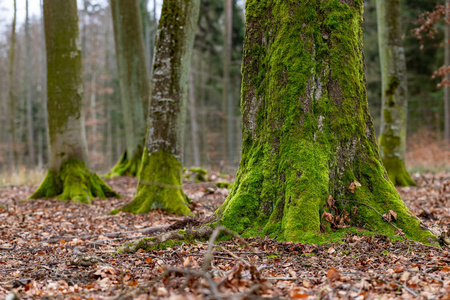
[
  {"x": 126, "y": 166},
  {"x": 73, "y": 182},
  {"x": 160, "y": 186},
  {"x": 307, "y": 132}
]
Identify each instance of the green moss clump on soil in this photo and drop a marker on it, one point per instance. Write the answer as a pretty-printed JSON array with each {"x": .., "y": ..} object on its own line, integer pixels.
[
  {"x": 73, "y": 182},
  {"x": 159, "y": 186}
]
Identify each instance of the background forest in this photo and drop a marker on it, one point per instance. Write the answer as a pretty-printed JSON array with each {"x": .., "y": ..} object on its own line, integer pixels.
[{"x": 213, "y": 129}]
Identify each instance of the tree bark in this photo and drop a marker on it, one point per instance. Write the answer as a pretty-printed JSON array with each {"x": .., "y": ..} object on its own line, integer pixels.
[
  {"x": 30, "y": 130},
  {"x": 12, "y": 127},
  {"x": 227, "y": 97},
  {"x": 133, "y": 80},
  {"x": 68, "y": 176},
  {"x": 307, "y": 132},
  {"x": 394, "y": 91},
  {"x": 193, "y": 117},
  {"x": 447, "y": 75},
  {"x": 160, "y": 176}
]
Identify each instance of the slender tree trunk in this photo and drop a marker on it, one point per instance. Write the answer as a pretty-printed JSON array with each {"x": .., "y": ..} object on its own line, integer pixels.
[
  {"x": 30, "y": 128},
  {"x": 68, "y": 176},
  {"x": 228, "y": 5},
  {"x": 160, "y": 177},
  {"x": 44, "y": 84},
  {"x": 193, "y": 116},
  {"x": 394, "y": 92},
  {"x": 133, "y": 80},
  {"x": 447, "y": 75},
  {"x": 12, "y": 127},
  {"x": 307, "y": 132}
]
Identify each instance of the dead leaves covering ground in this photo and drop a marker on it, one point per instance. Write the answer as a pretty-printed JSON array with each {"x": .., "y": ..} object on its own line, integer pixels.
[{"x": 67, "y": 251}]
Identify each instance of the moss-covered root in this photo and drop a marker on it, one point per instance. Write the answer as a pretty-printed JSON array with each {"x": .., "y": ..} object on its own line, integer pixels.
[
  {"x": 166, "y": 240},
  {"x": 126, "y": 166},
  {"x": 73, "y": 182},
  {"x": 160, "y": 186}
]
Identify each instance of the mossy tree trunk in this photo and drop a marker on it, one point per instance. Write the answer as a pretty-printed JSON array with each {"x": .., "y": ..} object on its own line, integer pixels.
[
  {"x": 160, "y": 184},
  {"x": 68, "y": 176},
  {"x": 394, "y": 92},
  {"x": 133, "y": 80},
  {"x": 307, "y": 132}
]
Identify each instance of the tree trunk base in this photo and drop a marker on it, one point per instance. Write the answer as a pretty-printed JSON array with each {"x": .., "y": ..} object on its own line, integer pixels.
[
  {"x": 160, "y": 186},
  {"x": 397, "y": 173},
  {"x": 73, "y": 182},
  {"x": 126, "y": 166}
]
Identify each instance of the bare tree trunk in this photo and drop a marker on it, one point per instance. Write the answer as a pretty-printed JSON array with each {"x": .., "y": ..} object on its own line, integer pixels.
[
  {"x": 447, "y": 75},
  {"x": 193, "y": 116},
  {"x": 394, "y": 98},
  {"x": 160, "y": 176},
  {"x": 44, "y": 84},
  {"x": 30, "y": 130},
  {"x": 12, "y": 127},
  {"x": 133, "y": 81},
  {"x": 68, "y": 176},
  {"x": 228, "y": 5}
]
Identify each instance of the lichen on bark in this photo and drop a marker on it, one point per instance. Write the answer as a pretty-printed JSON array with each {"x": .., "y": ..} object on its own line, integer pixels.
[
  {"x": 394, "y": 92},
  {"x": 160, "y": 178},
  {"x": 307, "y": 132}
]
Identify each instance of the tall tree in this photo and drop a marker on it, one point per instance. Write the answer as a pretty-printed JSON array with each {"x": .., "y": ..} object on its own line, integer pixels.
[
  {"x": 160, "y": 174},
  {"x": 227, "y": 96},
  {"x": 30, "y": 129},
  {"x": 307, "y": 132},
  {"x": 394, "y": 92},
  {"x": 447, "y": 74},
  {"x": 68, "y": 176},
  {"x": 12, "y": 126},
  {"x": 133, "y": 80}
]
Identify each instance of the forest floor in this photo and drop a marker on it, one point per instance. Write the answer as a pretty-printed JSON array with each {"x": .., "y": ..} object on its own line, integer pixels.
[{"x": 51, "y": 238}]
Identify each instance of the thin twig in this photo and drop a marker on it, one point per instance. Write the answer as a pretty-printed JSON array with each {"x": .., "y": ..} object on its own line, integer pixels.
[{"x": 9, "y": 248}]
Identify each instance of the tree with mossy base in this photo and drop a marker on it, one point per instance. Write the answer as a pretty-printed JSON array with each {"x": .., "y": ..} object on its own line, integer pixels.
[
  {"x": 307, "y": 132},
  {"x": 133, "y": 81},
  {"x": 68, "y": 176},
  {"x": 160, "y": 178},
  {"x": 394, "y": 92}
]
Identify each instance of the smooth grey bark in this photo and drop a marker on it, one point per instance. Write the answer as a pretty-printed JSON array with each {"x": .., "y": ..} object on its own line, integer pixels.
[
  {"x": 30, "y": 130},
  {"x": 193, "y": 117},
  {"x": 68, "y": 175},
  {"x": 14, "y": 155},
  {"x": 44, "y": 82},
  {"x": 64, "y": 84},
  {"x": 227, "y": 99},
  {"x": 133, "y": 76},
  {"x": 394, "y": 92}
]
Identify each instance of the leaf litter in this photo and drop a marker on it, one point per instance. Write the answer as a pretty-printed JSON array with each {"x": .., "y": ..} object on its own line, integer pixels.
[{"x": 63, "y": 250}]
